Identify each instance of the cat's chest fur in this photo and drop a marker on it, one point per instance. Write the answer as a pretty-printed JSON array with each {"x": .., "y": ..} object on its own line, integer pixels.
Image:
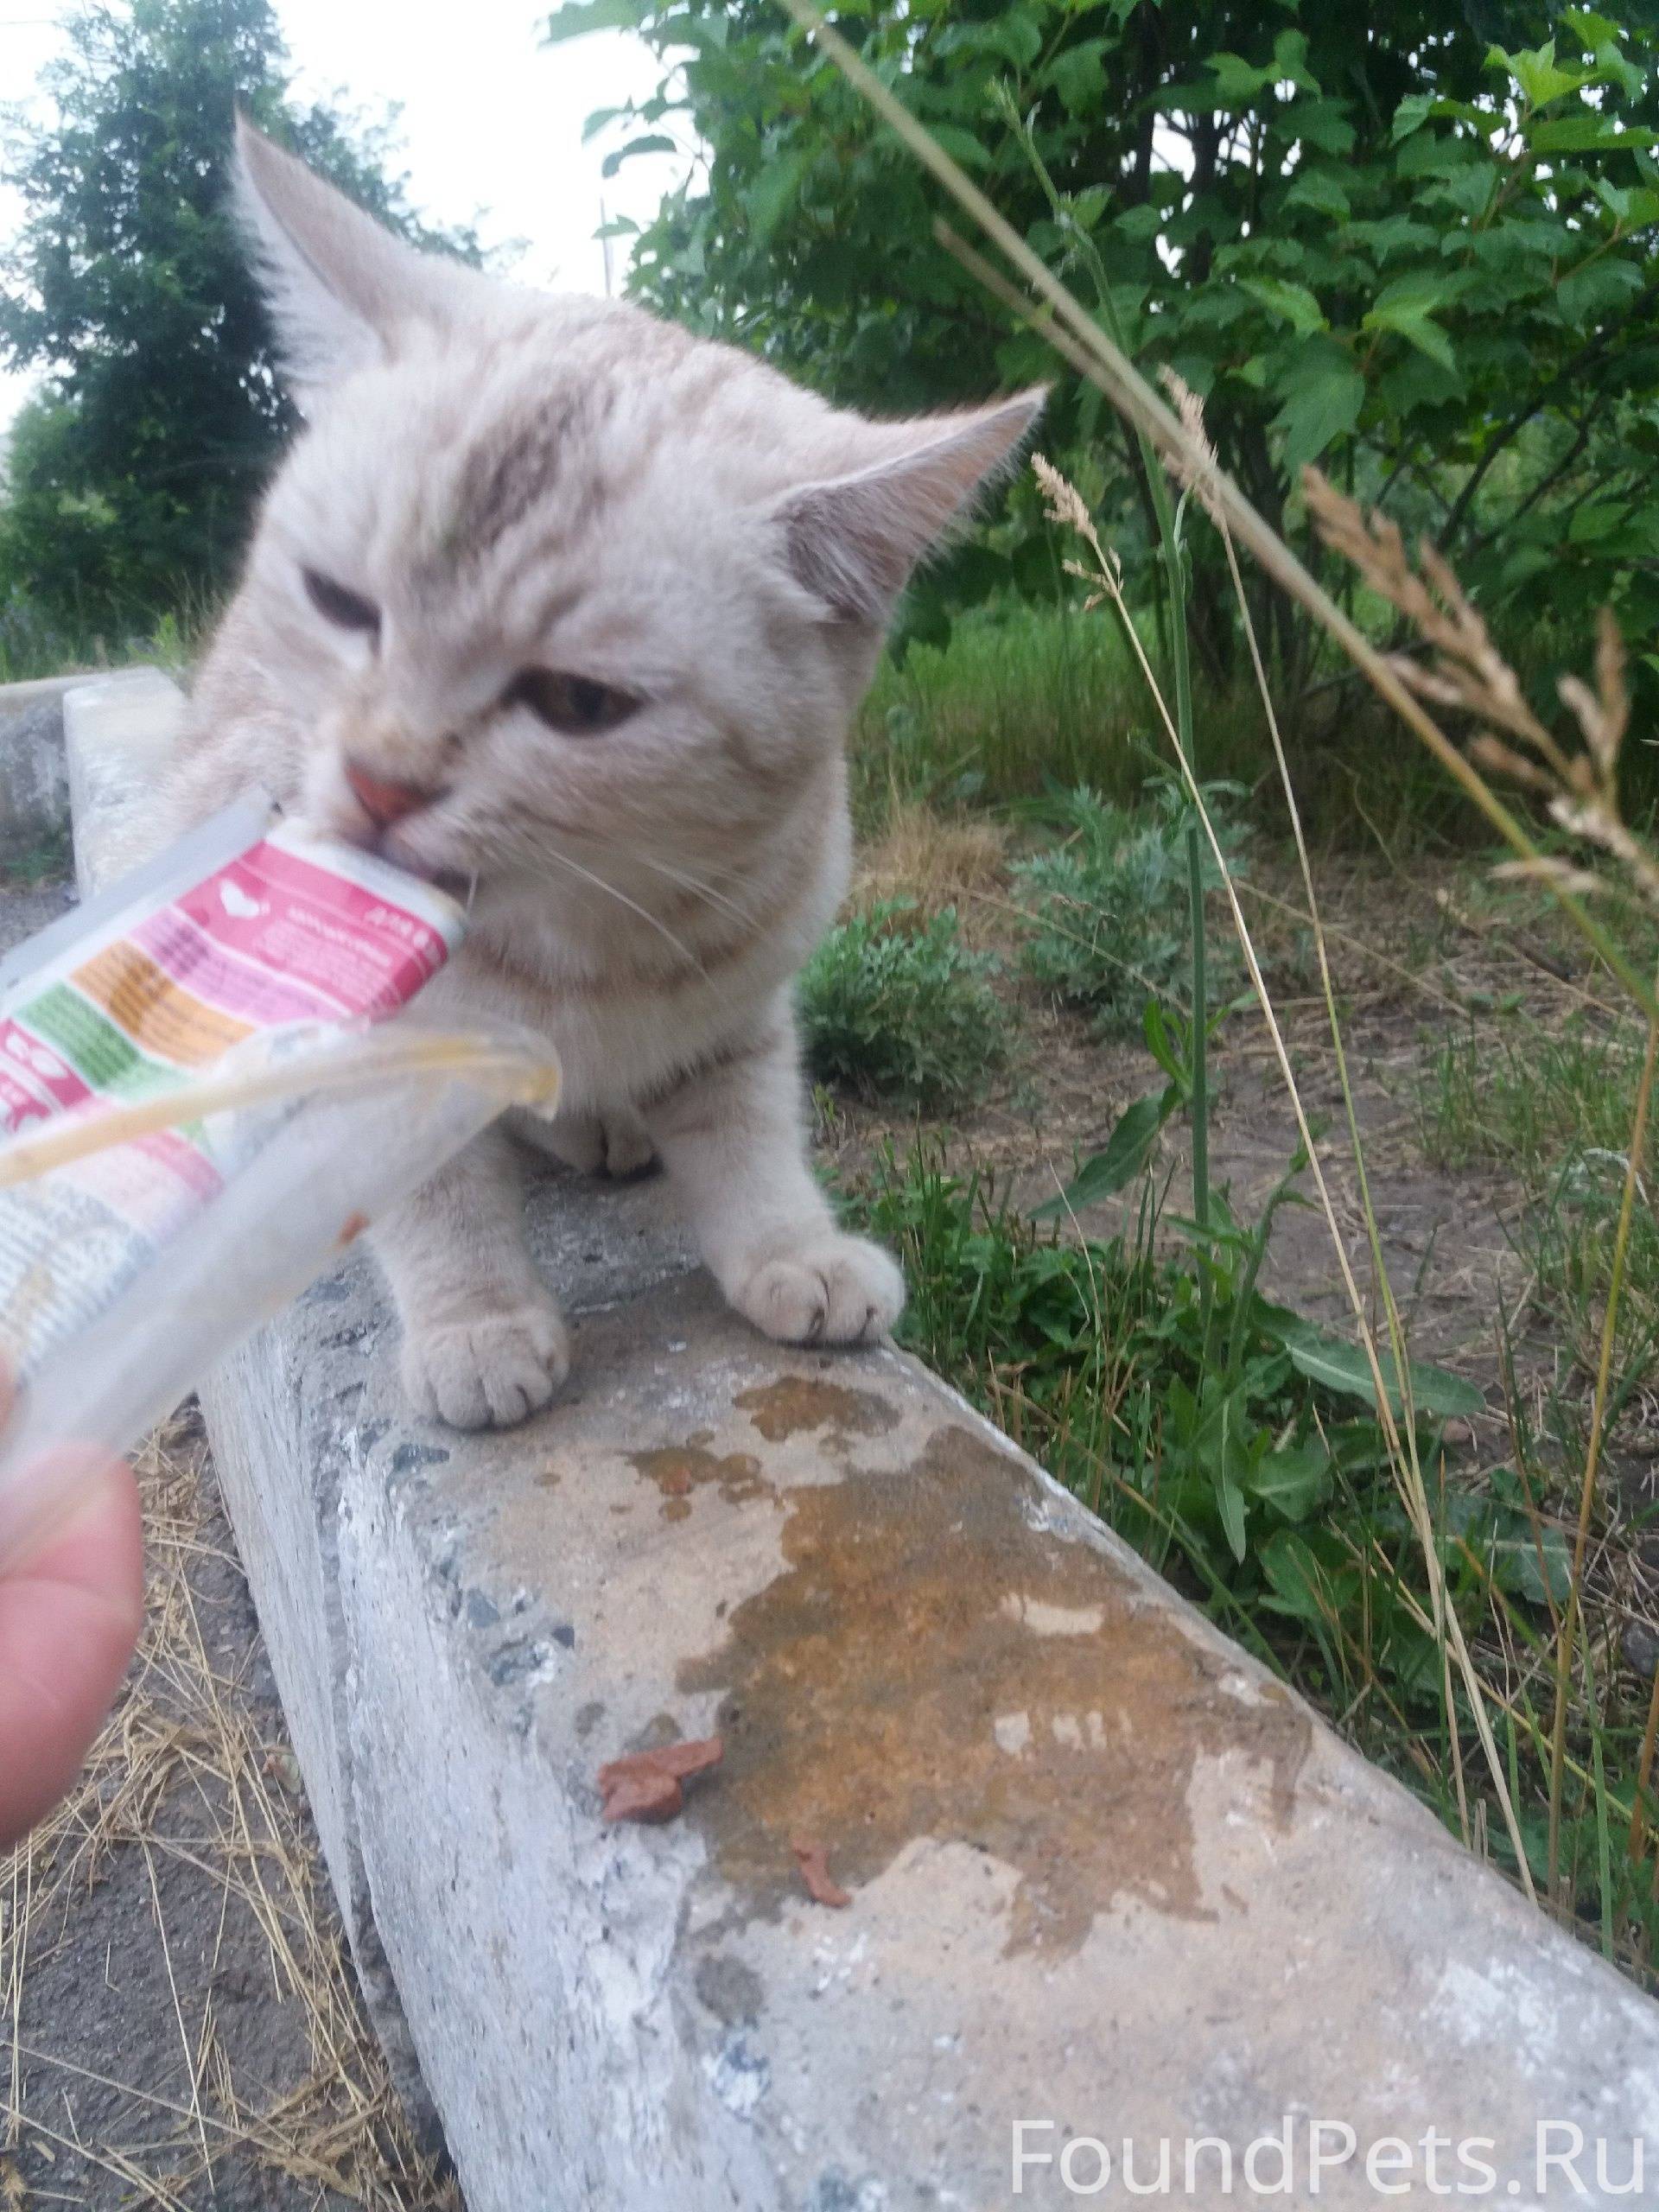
[{"x": 630, "y": 1014}]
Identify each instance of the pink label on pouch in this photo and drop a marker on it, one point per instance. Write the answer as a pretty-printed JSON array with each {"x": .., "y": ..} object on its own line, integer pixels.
[{"x": 291, "y": 931}]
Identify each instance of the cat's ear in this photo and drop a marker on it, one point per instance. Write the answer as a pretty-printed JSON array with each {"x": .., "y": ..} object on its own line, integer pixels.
[
  {"x": 853, "y": 540},
  {"x": 338, "y": 285}
]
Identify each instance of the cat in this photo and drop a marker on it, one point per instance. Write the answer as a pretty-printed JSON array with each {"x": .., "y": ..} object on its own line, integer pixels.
[{"x": 553, "y": 600}]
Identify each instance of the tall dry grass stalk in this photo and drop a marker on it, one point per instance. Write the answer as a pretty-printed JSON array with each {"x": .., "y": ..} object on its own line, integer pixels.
[{"x": 1066, "y": 506}]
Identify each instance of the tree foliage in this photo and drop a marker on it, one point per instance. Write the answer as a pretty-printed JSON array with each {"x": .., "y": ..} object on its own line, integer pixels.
[
  {"x": 1412, "y": 243},
  {"x": 131, "y": 478}
]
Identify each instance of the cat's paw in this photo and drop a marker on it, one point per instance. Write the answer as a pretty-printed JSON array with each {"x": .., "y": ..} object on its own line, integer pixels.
[
  {"x": 490, "y": 1372},
  {"x": 615, "y": 1143},
  {"x": 628, "y": 1149},
  {"x": 832, "y": 1290}
]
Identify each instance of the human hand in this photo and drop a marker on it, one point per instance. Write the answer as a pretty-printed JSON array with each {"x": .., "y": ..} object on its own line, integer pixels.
[{"x": 70, "y": 1613}]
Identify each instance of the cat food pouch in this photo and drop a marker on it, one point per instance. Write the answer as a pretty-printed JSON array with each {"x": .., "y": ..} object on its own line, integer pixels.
[{"x": 284, "y": 936}]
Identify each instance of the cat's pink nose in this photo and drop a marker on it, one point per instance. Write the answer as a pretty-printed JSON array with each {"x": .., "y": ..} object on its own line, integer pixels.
[{"x": 383, "y": 801}]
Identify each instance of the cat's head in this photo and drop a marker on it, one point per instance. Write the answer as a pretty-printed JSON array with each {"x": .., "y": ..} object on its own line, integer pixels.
[{"x": 545, "y": 577}]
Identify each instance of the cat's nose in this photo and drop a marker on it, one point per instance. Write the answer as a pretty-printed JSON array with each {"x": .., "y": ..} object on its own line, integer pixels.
[{"x": 383, "y": 801}]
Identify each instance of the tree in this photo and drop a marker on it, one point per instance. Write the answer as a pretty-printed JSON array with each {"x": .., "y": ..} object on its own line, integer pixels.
[
  {"x": 131, "y": 481},
  {"x": 1410, "y": 241}
]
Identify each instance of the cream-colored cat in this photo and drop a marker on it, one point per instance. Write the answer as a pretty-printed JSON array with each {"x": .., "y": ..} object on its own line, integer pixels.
[{"x": 552, "y": 598}]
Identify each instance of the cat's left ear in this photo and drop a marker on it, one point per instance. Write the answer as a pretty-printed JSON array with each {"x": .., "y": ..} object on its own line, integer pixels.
[
  {"x": 339, "y": 285},
  {"x": 853, "y": 540}
]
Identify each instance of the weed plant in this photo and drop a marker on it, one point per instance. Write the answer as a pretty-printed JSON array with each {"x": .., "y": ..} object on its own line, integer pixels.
[
  {"x": 1108, "y": 914},
  {"x": 894, "y": 1007}
]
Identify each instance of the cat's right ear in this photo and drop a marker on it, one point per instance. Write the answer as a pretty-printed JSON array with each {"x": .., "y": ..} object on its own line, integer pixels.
[{"x": 339, "y": 286}]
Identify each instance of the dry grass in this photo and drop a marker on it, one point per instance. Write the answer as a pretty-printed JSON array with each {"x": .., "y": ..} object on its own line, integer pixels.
[
  {"x": 182, "y": 1803},
  {"x": 935, "y": 862}
]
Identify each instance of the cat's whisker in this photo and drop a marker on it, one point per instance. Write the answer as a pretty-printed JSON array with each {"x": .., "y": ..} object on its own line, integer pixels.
[
  {"x": 622, "y": 899},
  {"x": 699, "y": 889}
]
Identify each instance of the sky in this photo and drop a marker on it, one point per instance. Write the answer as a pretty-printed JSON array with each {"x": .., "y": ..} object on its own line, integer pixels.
[{"x": 491, "y": 127}]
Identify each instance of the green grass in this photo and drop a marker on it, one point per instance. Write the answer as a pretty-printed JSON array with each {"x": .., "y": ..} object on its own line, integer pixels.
[
  {"x": 32, "y": 646},
  {"x": 1553, "y": 1109},
  {"x": 1022, "y": 698},
  {"x": 1027, "y": 697}
]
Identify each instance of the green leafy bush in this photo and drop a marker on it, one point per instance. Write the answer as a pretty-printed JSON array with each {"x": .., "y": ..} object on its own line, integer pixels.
[
  {"x": 1413, "y": 254},
  {"x": 1107, "y": 917},
  {"x": 900, "y": 1009}
]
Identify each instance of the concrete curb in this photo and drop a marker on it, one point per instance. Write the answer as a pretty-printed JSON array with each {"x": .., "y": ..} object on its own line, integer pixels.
[
  {"x": 1108, "y": 1878},
  {"x": 33, "y": 780}
]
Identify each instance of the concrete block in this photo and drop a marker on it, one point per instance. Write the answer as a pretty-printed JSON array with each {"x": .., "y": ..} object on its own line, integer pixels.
[
  {"x": 1108, "y": 1878},
  {"x": 120, "y": 732},
  {"x": 34, "y": 782}
]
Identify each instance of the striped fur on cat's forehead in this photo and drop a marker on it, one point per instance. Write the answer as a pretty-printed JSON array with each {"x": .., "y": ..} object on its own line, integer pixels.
[{"x": 517, "y": 440}]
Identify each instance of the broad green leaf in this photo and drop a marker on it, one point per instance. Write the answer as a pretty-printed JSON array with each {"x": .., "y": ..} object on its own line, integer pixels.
[
  {"x": 1321, "y": 123},
  {"x": 961, "y": 145},
  {"x": 577, "y": 17},
  {"x": 1237, "y": 83},
  {"x": 1293, "y": 1480},
  {"x": 1290, "y": 62},
  {"x": 1299, "y": 1579},
  {"x": 1537, "y": 73},
  {"x": 1412, "y": 114},
  {"x": 1077, "y": 74},
  {"x": 1323, "y": 191},
  {"x": 1470, "y": 189},
  {"x": 1588, "y": 134},
  {"x": 652, "y": 142},
  {"x": 1295, "y": 302},
  {"x": 768, "y": 198},
  {"x": 1406, "y": 307},
  {"x": 600, "y": 119},
  {"x": 1121, "y": 1160},
  {"x": 1322, "y": 395},
  {"x": 1599, "y": 288},
  {"x": 1013, "y": 36},
  {"x": 1229, "y": 1503},
  {"x": 1344, "y": 1368}
]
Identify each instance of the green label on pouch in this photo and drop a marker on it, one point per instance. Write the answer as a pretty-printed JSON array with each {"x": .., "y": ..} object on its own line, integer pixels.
[{"x": 103, "y": 1056}]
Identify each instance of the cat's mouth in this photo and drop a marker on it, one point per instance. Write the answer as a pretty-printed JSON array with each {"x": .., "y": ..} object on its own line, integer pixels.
[
  {"x": 458, "y": 882},
  {"x": 386, "y": 845}
]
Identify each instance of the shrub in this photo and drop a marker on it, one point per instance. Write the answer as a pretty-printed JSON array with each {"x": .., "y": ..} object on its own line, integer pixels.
[
  {"x": 1108, "y": 922},
  {"x": 900, "y": 1009}
]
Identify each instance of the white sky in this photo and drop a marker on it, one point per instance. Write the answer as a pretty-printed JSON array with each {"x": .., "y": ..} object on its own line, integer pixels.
[{"x": 491, "y": 126}]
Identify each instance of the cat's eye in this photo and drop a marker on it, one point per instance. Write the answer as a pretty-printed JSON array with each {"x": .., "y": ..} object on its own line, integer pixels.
[
  {"x": 574, "y": 705},
  {"x": 347, "y": 610}
]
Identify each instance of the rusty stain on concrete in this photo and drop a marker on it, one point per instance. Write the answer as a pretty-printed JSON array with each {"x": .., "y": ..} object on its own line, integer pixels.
[
  {"x": 678, "y": 1470},
  {"x": 796, "y": 1402},
  {"x": 882, "y": 1688}
]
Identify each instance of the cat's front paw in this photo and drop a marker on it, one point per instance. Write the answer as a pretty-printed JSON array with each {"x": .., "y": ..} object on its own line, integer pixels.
[
  {"x": 615, "y": 1143},
  {"x": 832, "y": 1290},
  {"x": 490, "y": 1372}
]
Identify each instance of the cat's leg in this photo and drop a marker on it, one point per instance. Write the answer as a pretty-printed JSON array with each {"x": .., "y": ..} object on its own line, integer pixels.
[
  {"x": 484, "y": 1342},
  {"x": 614, "y": 1142},
  {"x": 733, "y": 1138}
]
